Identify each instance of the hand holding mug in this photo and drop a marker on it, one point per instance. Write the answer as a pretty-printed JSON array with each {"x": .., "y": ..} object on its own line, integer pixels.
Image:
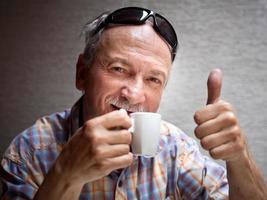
[{"x": 97, "y": 148}]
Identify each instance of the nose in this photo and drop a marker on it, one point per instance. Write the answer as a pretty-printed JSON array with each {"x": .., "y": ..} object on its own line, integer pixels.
[{"x": 134, "y": 92}]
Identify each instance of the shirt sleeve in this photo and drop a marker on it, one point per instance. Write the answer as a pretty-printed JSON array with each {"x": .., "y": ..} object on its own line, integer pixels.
[
  {"x": 199, "y": 177},
  {"x": 18, "y": 174},
  {"x": 15, "y": 180},
  {"x": 31, "y": 154}
]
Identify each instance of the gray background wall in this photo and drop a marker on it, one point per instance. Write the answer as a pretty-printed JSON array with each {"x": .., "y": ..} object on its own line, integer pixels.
[{"x": 39, "y": 45}]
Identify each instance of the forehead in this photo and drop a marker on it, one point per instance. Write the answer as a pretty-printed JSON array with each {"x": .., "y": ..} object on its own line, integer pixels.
[{"x": 140, "y": 39}]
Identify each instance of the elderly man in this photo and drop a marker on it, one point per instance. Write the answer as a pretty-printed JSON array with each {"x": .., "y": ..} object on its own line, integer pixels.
[{"x": 81, "y": 153}]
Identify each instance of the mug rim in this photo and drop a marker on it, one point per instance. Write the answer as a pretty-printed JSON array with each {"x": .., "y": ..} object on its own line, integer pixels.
[{"x": 145, "y": 113}]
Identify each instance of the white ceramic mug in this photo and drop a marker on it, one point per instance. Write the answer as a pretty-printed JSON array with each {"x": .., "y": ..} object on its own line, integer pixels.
[{"x": 146, "y": 133}]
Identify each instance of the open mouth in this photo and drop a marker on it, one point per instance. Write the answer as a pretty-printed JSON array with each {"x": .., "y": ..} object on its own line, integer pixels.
[{"x": 118, "y": 108}]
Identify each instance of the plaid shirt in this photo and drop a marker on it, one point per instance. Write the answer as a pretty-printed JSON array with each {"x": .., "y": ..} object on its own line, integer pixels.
[{"x": 179, "y": 171}]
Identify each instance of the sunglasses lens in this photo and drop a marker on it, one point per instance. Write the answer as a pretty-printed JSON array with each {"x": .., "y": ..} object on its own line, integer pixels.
[
  {"x": 133, "y": 15},
  {"x": 167, "y": 31}
]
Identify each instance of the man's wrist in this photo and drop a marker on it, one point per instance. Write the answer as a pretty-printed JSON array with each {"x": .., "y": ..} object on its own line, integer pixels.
[
  {"x": 61, "y": 175},
  {"x": 57, "y": 185}
]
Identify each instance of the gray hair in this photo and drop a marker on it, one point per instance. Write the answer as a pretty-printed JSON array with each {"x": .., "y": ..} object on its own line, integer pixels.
[{"x": 92, "y": 37}]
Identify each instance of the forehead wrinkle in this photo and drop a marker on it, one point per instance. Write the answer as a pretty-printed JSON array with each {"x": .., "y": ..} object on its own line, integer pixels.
[
  {"x": 135, "y": 34},
  {"x": 132, "y": 42},
  {"x": 142, "y": 36},
  {"x": 150, "y": 45}
]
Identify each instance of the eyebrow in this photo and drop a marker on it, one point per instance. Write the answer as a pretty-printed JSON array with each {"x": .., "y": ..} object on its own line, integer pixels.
[
  {"x": 124, "y": 61},
  {"x": 158, "y": 73},
  {"x": 121, "y": 60}
]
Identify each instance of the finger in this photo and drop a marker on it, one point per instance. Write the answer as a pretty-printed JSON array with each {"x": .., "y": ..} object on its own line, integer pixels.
[
  {"x": 211, "y": 111},
  {"x": 212, "y": 126},
  {"x": 207, "y": 113},
  {"x": 111, "y": 151},
  {"x": 214, "y": 140},
  {"x": 120, "y": 161},
  {"x": 228, "y": 151},
  {"x": 113, "y": 120},
  {"x": 119, "y": 137},
  {"x": 214, "y": 85}
]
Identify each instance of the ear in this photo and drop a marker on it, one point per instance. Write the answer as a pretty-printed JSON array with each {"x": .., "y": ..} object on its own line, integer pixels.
[{"x": 80, "y": 73}]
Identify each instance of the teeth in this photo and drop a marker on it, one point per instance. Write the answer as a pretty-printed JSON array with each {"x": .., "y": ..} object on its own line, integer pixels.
[
  {"x": 121, "y": 108},
  {"x": 118, "y": 108}
]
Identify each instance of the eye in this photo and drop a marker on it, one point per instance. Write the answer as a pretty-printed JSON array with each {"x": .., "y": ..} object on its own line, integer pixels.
[
  {"x": 155, "y": 80},
  {"x": 118, "y": 69}
]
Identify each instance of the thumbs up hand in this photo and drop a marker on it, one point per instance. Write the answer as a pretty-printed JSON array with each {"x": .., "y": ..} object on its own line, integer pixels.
[{"x": 217, "y": 125}]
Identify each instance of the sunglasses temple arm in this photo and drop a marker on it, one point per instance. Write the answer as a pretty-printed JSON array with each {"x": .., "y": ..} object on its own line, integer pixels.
[{"x": 99, "y": 27}]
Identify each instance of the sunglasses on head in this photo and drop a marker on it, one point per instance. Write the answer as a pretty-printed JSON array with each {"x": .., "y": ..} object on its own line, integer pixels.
[{"x": 137, "y": 16}]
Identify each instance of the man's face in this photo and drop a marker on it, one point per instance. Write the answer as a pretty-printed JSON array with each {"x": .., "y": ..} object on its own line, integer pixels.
[{"x": 129, "y": 71}]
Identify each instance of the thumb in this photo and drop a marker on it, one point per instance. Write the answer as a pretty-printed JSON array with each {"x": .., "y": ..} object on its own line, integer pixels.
[{"x": 214, "y": 86}]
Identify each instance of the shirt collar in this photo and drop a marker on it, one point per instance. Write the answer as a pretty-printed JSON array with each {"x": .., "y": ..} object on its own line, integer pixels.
[{"x": 76, "y": 116}]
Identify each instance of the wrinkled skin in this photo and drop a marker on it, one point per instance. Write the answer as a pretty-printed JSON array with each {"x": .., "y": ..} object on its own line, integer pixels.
[{"x": 131, "y": 68}]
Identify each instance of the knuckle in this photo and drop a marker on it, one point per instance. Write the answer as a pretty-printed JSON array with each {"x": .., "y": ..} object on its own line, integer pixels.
[
  {"x": 239, "y": 146},
  {"x": 197, "y": 117},
  {"x": 94, "y": 138},
  {"x": 234, "y": 149},
  {"x": 128, "y": 137},
  {"x": 214, "y": 154},
  {"x": 90, "y": 124},
  {"x": 230, "y": 117},
  {"x": 204, "y": 143},
  {"x": 86, "y": 133},
  {"x": 129, "y": 158},
  {"x": 235, "y": 132},
  {"x": 126, "y": 149},
  {"x": 226, "y": 106},
  {"x": 123, "y": 149},
  {"x": 97, "y": 153},
  {"x": 197, "y": 132}
]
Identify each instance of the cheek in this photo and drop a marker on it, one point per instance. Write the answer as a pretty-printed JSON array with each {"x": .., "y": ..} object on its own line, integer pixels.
[
  {"x": 98, "y": 89},
  {"x": 101, "y": 87},
  {"x": 153, "y": 100},
  {"x": 108, "y": 84}
]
